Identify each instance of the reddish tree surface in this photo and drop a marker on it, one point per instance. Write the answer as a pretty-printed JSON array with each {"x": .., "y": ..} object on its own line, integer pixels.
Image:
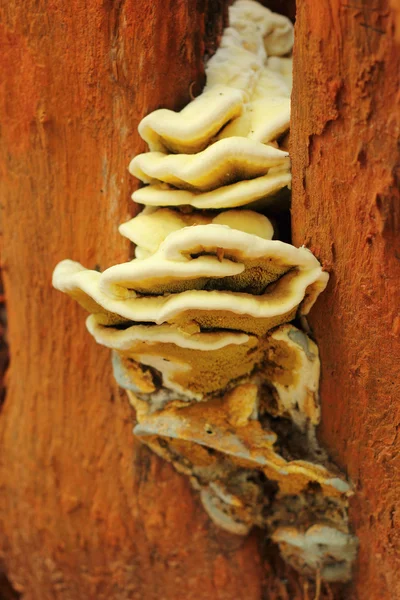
[
  {"x": 346, "y": 208},
  {"x": 85, "y": 511}
]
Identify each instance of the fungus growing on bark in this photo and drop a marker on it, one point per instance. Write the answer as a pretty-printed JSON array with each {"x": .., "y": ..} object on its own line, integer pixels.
[
  {"x": 209, "y": 425},
  {"x": 198, "y": 365},
  {"x": 293, "y": 290},
  {"x": 224, "y": 162},
  {"x": 254, "y": 34},
  {"x": 223, "y": 385},
  {"x": 210, "y": 440},
  {"x": 151, "y": 227},
  {"x": 292, "y": 363},
  {"x": 320, "y": 548},
  {"x": 254, "y": 126},
  {"x": 261, "y": 189},
  {"x": 217, "y": 257},
  {"x": 191, "y": 130},
  {"x": 194, "y": 365}
]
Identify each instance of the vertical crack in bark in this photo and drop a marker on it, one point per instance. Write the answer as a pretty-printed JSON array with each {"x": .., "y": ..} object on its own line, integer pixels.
[
  {"x": 4, "y": 355},
  {"x": 7, "y": 592}
]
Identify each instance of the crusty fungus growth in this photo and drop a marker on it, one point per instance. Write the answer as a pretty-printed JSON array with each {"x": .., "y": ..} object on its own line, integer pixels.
[
  {"x": 319, "y": 548},
  {"x": 224, "y": 386}
]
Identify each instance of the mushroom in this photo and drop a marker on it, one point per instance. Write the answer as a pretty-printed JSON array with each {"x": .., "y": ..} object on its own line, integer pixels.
[
  {"x": 272, "y": 84},
  {"x": 151, "y": 227},
  {"x": 226, "y": 450},
  {"x": 191, "y": 129},
  {"x": 198, "y": 365},
  {"x": 283, "y": 67},
  {"x": 276, "y": 30},
  {"x": 228, "y": 160},
  {"x": 246, "y": 100},
  {"x": 261, "y": 189},
  {"x": 320, "y": 548},
  {"x": 254, "y": 33},
  {"x": 194, "y": 365},
  {"x": 292, "y": 368},
  {"x": 283, "y": 279},
  {"x": 212, "y": 257},
  {"x": 195, "y": 126},
  {"x": 184, "y": 434},
  {"x": 223, "y": 385},
  {"x": 254, "y": 125}
]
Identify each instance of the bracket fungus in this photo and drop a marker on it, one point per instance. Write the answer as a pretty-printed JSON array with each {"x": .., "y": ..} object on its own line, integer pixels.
[
  {"x": 151, "y": 227},
  {"x": 318, "y": 548},
  {"x": 226, "y": 161},
  {"x": 261, "y": 189},
  {"x": 224, "y": 386}
]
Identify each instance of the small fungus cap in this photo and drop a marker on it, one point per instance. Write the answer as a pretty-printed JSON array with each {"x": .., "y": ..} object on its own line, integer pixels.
[
  {"x": 192, "y": 129},
  {"x": 320, "y": 548},
  {"x": 276, "y": 30},
  {"x": 150, "y": 228},
  {"x": 228, "y": 160},
  {"x": 261, "y": 189}
]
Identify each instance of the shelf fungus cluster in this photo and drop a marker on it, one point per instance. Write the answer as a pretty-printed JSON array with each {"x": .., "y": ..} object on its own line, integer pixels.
[{"x": 224, "y": 385}]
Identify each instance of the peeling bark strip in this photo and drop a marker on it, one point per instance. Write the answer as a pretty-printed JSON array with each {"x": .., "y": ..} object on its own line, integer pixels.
[{"x": 346, "y": 209}]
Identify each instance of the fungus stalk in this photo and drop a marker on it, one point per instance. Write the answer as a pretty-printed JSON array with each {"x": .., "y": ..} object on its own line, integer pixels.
[{"x": 224, "y": 384}]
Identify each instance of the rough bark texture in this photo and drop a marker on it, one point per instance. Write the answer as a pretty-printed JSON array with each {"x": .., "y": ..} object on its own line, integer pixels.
[
  {"x": 346, "y": 167},
  {"x": 3, "y": 340},
  {"x": 86, "y": 512}
]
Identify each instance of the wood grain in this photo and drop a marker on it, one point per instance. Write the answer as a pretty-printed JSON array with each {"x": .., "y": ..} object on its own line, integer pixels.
[
  {"x": 85, "y": 511},
  {"x": 346, "y": 168}
]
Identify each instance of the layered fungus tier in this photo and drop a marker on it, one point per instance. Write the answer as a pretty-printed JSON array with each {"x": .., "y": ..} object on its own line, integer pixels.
[{"x": 200, "y": 322}]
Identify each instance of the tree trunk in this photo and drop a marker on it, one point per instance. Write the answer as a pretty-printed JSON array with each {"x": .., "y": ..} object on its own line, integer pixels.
[
  {"x": 86, "y": 511},
  {"x": 345, "y": 208}
]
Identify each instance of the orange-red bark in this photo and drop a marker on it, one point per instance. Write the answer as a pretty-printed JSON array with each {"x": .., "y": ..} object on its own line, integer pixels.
[
  {"x": 85, "y": 511},
  {"x": 346, "y": 169}
]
